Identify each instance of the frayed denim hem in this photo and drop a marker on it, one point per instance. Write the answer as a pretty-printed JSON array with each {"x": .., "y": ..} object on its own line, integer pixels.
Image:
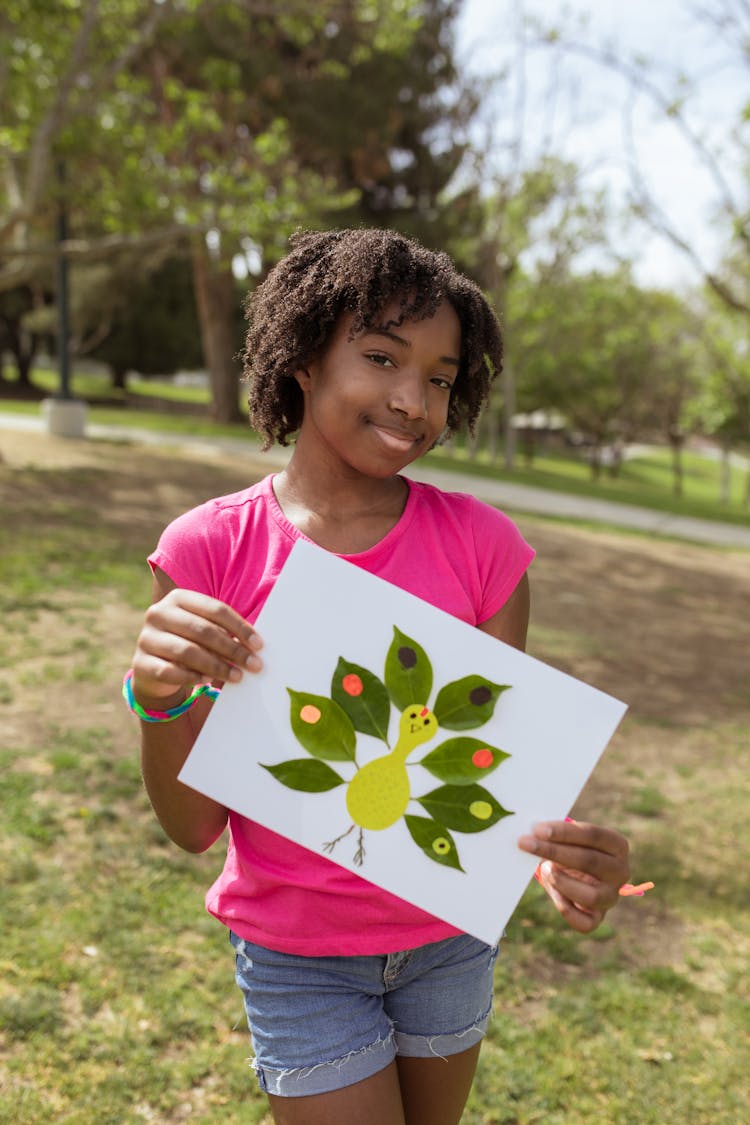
[{"x": 324, "y": 1077}]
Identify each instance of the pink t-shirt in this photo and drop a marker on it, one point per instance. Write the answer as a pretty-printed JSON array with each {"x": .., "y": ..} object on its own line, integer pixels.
[{"x": 449, "y": 549}]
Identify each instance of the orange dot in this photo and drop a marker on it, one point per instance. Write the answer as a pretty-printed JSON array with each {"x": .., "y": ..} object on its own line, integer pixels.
[
  {"x": 309, "y": 714},
  {"x": 352, "y": 684},
  {"x": 482, "y": 758}
]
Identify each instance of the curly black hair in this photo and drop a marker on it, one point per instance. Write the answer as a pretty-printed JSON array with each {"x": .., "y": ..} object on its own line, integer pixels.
[{"x": 293, "y": 312}]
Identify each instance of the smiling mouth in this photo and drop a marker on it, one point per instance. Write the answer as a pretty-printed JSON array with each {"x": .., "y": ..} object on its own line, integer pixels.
[{"x": 399, "y": 440}]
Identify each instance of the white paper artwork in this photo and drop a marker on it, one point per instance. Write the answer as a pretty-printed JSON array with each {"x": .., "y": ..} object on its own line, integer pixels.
[{"x": 400, "y": 742}]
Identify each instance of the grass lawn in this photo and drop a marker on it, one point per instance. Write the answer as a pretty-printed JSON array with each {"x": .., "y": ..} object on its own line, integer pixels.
[{"x": 117, "y": 1002}]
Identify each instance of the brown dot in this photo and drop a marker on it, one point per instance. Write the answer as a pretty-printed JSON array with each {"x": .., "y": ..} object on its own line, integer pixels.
[
  {"x": 480, "y": 695},
  {"x": 407, "y": 657}
]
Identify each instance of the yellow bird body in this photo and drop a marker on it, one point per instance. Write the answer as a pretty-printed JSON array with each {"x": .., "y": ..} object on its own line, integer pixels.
[{"x": 378, "y": 794}]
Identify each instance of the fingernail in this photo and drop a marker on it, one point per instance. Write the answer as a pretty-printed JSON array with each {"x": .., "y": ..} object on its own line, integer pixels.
[
  {"x": 253, "y": 663},
  {"x": 528, "y": 843},
  {"x": 255, "y": 641},
  {"x": 235, "y": 674}
]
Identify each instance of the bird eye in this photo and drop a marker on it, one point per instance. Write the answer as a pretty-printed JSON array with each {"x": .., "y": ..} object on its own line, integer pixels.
[
  {"x": 413, "y": 715},
  {"x": 427, "y": 722}
]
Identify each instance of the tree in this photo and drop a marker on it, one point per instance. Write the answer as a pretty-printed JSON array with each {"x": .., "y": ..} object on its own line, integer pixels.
[
  {"x": 676, "y": 99},
  {"x": 676, "y": 370},
  {"x": 59, "y": 66},
  {"x": 584, "y": 346},
  {"x": 191, "y": 140},
  {"x": 18, "y": 337},
  {"x": 148, "y": 324},
  {"x": 390, "y": 121},
  {"x": 724, "y": 405},
  {"x": 530, "y": 222}
]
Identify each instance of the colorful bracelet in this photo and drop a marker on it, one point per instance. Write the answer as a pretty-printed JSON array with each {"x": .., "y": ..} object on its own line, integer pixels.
[{"x": 173, "y": 712}]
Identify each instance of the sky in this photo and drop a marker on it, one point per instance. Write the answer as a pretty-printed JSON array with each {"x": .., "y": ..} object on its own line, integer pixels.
[{"x": 587, "y": 125}]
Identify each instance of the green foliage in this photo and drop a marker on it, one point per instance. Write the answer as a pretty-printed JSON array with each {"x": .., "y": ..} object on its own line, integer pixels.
[
  {"x": 363, "y": 697},
  {"x": 379, "y": 793},
  {"x": 149, "y": 317},
  {"x": 465, "y": 808},
  {"x": 434, "y": 839},
  {"x": 460, "y": 761},
  {"x": 467, "y": 703},
  {"x": 307, "y": 776},
  {"x": 408, "y": 671},
  {"x": 322, "y": 727}
]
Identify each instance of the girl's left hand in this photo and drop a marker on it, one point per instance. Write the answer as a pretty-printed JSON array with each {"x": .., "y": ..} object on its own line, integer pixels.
[{"x": 582, "y": 868}]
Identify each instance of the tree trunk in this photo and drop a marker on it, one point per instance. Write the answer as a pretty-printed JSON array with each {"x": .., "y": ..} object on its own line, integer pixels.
[
  {"x": 24, "y": 360},
  {"x": 509, "y": 409},
  {"x": 214, "y": 294},
  {"x": 676, "y": 441},
  {"x": 528, "y": 436},
  {"x": 119, "y": 377},
  {"x": 725, "y": 486}
]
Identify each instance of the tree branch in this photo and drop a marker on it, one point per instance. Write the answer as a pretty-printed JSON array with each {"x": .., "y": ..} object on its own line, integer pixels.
[{"x": 41, "y": 146}]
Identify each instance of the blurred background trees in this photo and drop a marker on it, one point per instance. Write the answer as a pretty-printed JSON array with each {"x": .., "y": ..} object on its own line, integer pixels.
[{"x": 196, "y": 135}]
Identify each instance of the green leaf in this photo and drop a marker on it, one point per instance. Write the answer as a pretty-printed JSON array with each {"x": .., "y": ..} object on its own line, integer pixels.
[
  {"x": 408, "y": 672},
  {"x": 462, "y": 761},
  {"x": 322, "y": 727},
  {"x": 435, "y": 841},
  {"x": 363, "y": 697},
  {"x": 305, "y": 775},
  {"x": 465, "y": 808},
  {"x": 467, "y": 703}
]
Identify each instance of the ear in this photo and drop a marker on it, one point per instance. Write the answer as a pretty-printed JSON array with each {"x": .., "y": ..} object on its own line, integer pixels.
[{"x": 303, "y": 379}]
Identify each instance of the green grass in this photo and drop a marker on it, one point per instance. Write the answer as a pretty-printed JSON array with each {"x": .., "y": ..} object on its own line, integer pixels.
[{"x": 117, "y": 1002}]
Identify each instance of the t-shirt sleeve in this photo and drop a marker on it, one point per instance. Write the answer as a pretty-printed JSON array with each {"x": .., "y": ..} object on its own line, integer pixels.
[
  {"x": 503, "y": 556},
  {"x": 183, "y": 552}
]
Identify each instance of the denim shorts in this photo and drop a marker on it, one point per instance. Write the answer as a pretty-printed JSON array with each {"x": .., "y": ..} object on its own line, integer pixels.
[{"x": 321, "y": 1023}]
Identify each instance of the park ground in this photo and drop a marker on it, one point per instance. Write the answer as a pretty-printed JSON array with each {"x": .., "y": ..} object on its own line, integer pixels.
[{"x": 116, "y": 996}]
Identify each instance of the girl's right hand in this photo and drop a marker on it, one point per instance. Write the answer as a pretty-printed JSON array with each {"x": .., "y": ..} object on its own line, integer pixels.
[{"x": 189, "y": 638}]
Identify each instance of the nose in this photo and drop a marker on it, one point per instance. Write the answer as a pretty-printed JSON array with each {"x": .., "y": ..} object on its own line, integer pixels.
[{"x": 408, "y": 396}]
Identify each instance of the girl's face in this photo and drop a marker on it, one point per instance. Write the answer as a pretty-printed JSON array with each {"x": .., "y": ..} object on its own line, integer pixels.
[{"x": 378, "y": 401}]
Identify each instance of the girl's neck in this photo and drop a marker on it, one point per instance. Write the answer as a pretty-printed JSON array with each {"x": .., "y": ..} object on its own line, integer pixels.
[{"x": 345, "y": 513}]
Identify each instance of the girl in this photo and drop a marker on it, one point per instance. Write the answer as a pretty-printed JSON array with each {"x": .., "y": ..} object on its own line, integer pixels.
[{"x": 369, "y": 349}]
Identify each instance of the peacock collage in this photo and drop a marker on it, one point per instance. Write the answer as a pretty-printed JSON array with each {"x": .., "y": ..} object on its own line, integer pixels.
[{"x": 379, "y": 792}]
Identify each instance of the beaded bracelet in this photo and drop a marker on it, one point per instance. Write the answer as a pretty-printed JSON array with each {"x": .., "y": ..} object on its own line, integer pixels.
[{"x": 173, "y": 712}]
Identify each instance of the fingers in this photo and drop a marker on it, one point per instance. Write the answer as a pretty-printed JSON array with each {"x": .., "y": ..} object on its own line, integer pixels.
[
  {"x": 189, "y": 637},
  {"x": 583, "y": 867},
  {"x": 589, "y": 848},
  {"x": 582, "y": 912}
]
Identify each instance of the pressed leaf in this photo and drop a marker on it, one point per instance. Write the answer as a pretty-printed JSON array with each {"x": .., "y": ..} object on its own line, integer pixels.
[
  {"x": 408, "y": 672},
  {"x": 363, "y": 697},
  {"x": 467, "y": 703},
  {"x": 305, "y": 775},
  {"x": 435, "y": 841},
  {"x": 462, "y": 761},
  {"x": 322, "y": 727},
  {"x": 465, "y": 808}
]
